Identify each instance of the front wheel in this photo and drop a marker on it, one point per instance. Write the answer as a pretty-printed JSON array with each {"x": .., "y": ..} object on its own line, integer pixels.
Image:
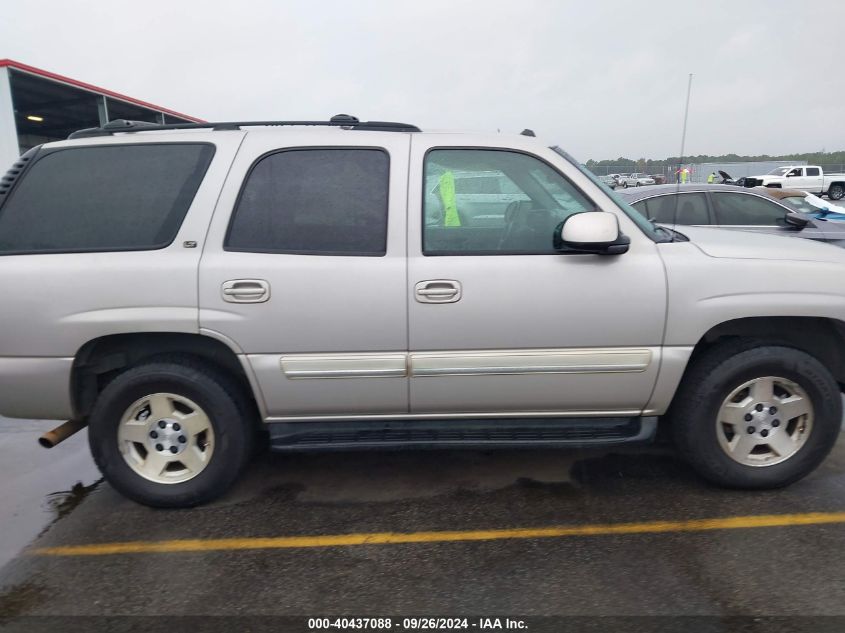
[
  {"x": 756, "y": 416},
  {"x": 171, "y": 433},
  {"x": 835, "y": 192}
]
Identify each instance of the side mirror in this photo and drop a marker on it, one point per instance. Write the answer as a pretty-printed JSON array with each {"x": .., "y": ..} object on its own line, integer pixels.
[
  {"x": 796, "y": 221},
  {"x": 593, "y": 232}
]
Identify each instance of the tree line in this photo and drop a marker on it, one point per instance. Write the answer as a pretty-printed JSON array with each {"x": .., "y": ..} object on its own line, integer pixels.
[{"x": 644, "y": 164}]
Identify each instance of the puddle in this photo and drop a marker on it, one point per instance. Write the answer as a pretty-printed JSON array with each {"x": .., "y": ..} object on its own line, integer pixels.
[{"x": 40, "y": 487}]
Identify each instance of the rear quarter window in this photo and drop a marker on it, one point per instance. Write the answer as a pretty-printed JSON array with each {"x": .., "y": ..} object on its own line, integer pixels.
[{"x": 103, "y": 198}]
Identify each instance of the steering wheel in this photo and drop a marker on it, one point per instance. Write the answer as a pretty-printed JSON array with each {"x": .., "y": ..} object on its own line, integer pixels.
[{"x": 512, "y": 213}]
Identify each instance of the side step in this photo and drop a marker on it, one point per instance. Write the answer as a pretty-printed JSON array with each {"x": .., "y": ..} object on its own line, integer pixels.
[{"x": 459, "y": 433}]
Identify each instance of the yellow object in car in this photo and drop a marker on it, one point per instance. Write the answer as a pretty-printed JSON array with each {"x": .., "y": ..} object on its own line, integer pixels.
[{"x": 447, "y": 196}]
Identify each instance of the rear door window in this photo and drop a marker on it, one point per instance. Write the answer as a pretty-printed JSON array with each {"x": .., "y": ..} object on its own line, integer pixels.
[
  {"x": 742, "y": 209},
  {"x": 321, "y": 201},
  {"x": 103, "y": 198}
]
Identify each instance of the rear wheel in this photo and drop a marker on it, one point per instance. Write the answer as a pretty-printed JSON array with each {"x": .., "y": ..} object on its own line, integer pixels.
[
  {"x": 171, "y": 433},
  {"x": 756, "y": 416},
  {"x": 835, "y": 192}
]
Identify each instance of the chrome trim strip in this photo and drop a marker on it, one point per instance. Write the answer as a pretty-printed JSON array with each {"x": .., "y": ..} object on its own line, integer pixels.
[
  {"x": 550, "y": 361},
  {"x": 466, "y": 363},
  {"x": 305, "y": 366},
  {"x": 548, "y": 369}
]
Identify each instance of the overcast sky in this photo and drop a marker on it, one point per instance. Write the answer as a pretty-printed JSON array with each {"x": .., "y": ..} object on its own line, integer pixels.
[{"x": 602, "y": 79}]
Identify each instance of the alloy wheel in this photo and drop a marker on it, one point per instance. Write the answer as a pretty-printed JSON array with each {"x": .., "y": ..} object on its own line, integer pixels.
[
  {"x": 764, "y": 421},
  {"x": 166, "y": 438}
]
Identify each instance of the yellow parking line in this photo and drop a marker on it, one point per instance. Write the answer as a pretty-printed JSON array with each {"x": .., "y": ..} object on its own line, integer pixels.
[{"x": 384, "y": 538}]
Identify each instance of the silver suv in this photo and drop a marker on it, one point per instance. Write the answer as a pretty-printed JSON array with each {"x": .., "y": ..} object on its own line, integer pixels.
[{"x": 190, "y": 292}]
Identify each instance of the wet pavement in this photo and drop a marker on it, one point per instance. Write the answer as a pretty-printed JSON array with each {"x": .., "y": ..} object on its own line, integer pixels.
[{"x": 782, "y": 571}]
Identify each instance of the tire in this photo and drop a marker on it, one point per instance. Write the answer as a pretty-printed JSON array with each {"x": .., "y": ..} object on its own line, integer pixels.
[
  {"x": 836, "y": 191},
  {"x": 699, "y": 405},
  {"x": 221, "y": 451},
  {"x": 638, "y": 183},
  {"x": 625, "y": 184}
]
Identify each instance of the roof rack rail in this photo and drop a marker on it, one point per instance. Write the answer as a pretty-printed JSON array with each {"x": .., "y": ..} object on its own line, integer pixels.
[{"x": 345, "y": 121}]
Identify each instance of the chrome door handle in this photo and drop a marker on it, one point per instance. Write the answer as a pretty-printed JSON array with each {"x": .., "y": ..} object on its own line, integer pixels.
[
  {"x": 245, "y": 291},
  {"x": 438, "y": 291}
]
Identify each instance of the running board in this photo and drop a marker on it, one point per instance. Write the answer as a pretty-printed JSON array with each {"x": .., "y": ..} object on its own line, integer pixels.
[{"x": 459, "y": 433}]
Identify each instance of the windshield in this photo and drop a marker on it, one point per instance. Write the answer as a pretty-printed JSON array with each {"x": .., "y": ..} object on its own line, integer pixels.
[
  {"x": 647, "y": 227},
  {"x": 780, "y": 171}
]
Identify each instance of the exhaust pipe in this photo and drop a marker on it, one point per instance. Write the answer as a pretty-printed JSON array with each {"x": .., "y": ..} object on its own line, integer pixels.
[{"x": 61, "y": 433}]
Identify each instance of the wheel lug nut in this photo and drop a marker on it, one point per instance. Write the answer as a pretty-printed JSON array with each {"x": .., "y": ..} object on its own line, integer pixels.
[
  {"x": 764, "y": 433},
  {"x": 182, "y": 439},
  {"x": 776, "y": 423},
  {"x": 153, "y": 434},
  {"x": 159, "y": 447},
  {"x": 161, "y": 424},
  {"x": 773, "y": 410},
  {"x": 176, "y": 426},
  {"x": 750, "y": 429},
  {"x": 759, "y": 407},
  {"x": 173, "y": 449},
  {"x": 748, "y": 417}
]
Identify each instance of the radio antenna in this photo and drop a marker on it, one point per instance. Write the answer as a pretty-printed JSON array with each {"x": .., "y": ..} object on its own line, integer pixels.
[{"x": 681, "y": 159}]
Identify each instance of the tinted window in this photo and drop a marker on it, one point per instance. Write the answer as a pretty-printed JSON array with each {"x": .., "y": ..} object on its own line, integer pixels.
[
  {"x": 795, "y": 172},
  {"x": 746, "y": 209},
  {"x": 521, "y": 217},
  {"x": 813, "y": 171},
  {"x": 684, "y": 208},
  {"x": 314, "y": 201},
  {"x": 110, "y": 197}
]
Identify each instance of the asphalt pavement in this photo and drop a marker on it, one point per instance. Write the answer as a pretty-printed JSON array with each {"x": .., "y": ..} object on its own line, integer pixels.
[{"x": 689, "y": 549}]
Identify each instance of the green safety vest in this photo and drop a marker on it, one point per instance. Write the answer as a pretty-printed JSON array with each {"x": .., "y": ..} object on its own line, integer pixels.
[{"x": 447, "y": 196}]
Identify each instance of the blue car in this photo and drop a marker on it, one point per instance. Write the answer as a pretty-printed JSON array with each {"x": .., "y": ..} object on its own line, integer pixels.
[{"x": 807, "y": 203}]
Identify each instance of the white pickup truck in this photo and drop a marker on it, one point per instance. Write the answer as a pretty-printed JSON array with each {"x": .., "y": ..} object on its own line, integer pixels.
[{"x": 809, "y": 178}]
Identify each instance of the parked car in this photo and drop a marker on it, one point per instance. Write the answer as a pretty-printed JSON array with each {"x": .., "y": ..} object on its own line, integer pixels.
[
  {"x": 187, "y": 293},
  {"x": 609, "y": 180},
  {"x": 810, "y": 178},
  {"x": 659, "y": 179},
  {"x": 727, "y": 207},
  {"x": 636, "y": 180},
  {"x": 805, "y": 203}
]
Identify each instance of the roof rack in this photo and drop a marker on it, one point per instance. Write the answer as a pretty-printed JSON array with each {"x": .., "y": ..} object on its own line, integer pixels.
[{"x": 345, "y": 121}]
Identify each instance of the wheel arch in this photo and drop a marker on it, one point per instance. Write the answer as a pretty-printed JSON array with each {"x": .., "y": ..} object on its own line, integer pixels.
[
  {"x": 835, "y": 183},
  {"x": 100, "y": 360},
  {"x": 821, "y": 337}
]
